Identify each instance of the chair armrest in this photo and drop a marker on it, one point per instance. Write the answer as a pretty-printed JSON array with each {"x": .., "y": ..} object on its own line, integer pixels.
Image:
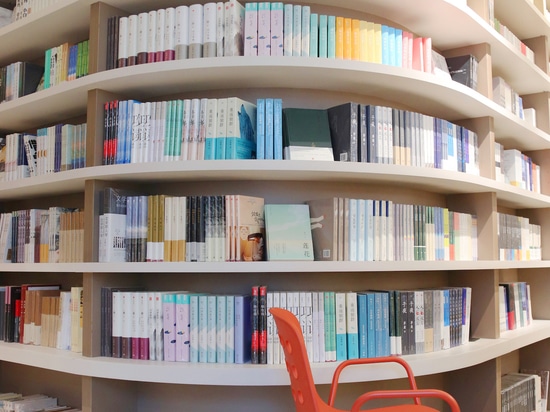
[
  {"x": 363, "y": 361},
  {"x": 406, "y": 393}
]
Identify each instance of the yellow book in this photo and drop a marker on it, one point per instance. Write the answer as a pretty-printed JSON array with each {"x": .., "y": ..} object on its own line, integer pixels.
[
  {"x": 347, "y": 39},
  {"x": 363, "y": 41},
  {"x": 377, "y": 43},
  {"x": 355, "y": 39},
  {"x": 370, "y": 41},
  {"x": 339, "y": 37}
]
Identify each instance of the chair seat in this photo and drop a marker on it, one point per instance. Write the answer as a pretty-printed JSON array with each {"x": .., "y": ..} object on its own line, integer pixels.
[{"x": 404, "y": 408}]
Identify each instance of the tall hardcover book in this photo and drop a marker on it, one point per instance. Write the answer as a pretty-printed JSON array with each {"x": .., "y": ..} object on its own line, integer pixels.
[
  {"x": 249, "y": 228},
  {"x": 306, "y": 134},
  {"x": 344, "y": 132},
  {"x": 240, "y": 138},
  {"x": 324, "y": 228}
]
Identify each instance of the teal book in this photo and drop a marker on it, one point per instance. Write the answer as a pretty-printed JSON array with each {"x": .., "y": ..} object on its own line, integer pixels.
[
  {"x": 278, "y": 129},
  {"x": 362, "y": 324},
  {"x": 323, "y": 35},
  {"x": 260, "y": 128},
  {"x": 288, "y": 232},
  {"x": 392, "y": 61},
  {"x": 385, "y": 44},
  {"x": 306, "y": 134},
  {"x": 269, "y": 142},
  {"x": 341, "y": 326},
  {"x": 314, "y": 35},
  {"x": 331, "y": 37}
]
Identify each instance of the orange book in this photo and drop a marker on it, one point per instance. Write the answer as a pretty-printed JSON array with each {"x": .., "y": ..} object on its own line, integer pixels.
[
  {"x": 339, "y": 37},
  {"x": 355, "y": 39}
]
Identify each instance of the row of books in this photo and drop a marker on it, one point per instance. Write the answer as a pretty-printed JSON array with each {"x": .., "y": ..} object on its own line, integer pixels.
[
  {"x": 175, "y": 326},
  {"x": 518, "y": 238},
  {"x": 42, "y": 315},
  {"x": 19, "y": 79},
  {"x": 505, "y": 96},
  {"x": 382, "y": 230},
  {"x": 24, "y": 8},
  {"x": 65, "y": 62},
  {"x": 16, "y": 402},
  {"x": 53, "y": 149},
  {"x": 274, "y": 28},
  {"x": 182, "y": 32},
  {"x": 514, "y": 305},
  {"x": 184, "y": 129},
  {"x": 516, "y": 168},
  {"x": 513, "y": 39},
  {"x": 42, "y": 235},
  {"x": 522, "y": 392}
]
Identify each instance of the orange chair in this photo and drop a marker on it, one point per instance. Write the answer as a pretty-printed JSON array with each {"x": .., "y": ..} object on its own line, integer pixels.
[{"x": 306, "y": 397}]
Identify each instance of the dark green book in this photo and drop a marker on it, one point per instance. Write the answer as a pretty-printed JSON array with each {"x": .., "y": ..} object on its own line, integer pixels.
[{"x": 306, "y": 134}]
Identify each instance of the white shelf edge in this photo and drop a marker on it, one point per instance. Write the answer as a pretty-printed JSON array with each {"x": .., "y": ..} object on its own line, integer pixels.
[{"x": 471, "y": 354}]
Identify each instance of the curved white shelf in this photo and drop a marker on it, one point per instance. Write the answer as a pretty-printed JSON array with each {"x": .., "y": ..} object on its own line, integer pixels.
[
  {"x": 471, "y": 354},
  {"x": 441, "y": 181},
  {"x": 192, "y": 268}
]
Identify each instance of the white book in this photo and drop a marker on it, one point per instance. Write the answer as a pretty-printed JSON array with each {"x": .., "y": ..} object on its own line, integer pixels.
[
  {"x": 315, "y": 326},
  {"x": 288, "y": 36},
  {"x": 297, "y": 30},
  {"x": 123, "y": 42},
  {"x": 353, "y": 229},
  {"x": 211, "y": 129},
  {"x": 276, "y": 342},
  {"x": 251, "y": 29},
  {"x": 220, "y": 28},
  {"x": 203, "y": 113},
  {"x": 306, "y": 24},
  {"x": 209, "y": 30},
  {"x": 194, "y": 129},
  {"x": 203, "y": 329},
  {"x": 276, "y": 25},
  {"x": 264, "y": 28},
  {"x": 230, "y": 329},
  {"x": 186, "y": 123},
  {"x": 142, "y": 37},
  {"x": 211, "y": 338},
  {"x": 182, "y": 32},
  {"x": 151, "y": 36},
  {"x": 170, "y": 34},
  {"x": 160, "y": 38},
  {"x": 309, "y": 324},
  {"x": 270, "y": 326},
  {"x": 132, "y": 39},
  {"x": 234, "y": 28},
  {"x": 321, "y": 327},
  {"x": 467, "y": 296},
  {"x": 221, "y": 333},
  {"x": 194, "y": 328}
]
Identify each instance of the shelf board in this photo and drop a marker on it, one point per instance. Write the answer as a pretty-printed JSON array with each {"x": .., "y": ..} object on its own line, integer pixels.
[
  {"x": 302, "y": 267},
  {"x": 471, "y": 354},
  {"x": 441, "y": 181}
]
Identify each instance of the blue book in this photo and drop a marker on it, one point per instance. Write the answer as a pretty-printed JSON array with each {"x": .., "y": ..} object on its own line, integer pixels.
[
  {"x": 306, "y": 21},
  {"x": 371, "y": 335},
  {"x": 221, "y": 318},
  {"x": 323, "y": 35},
  {"x": 296, "y": 30},
  {"x": 392, "y": 60},
  {"x": 314, "y": 35},
  {"x": 331, "y": 37},
  {"x": 194, "y": 328},
  {"x": 203, "y": 328},
  {"x": 446, "y": 332},
  {"x": 362, "y": 324},
  {"x": 241, "y": 129},
  {"x": 269, "y": 142},
  {"x": 379, "y": 325},
  {"x": 211, "y": 326},
  {"x": 385, "y": 44},
  {"x": 385, "y": 302},
  {"x": 260, "y": 128},
  {"x": 278, "y": 129},
  {"x": 243, "y": 331}
]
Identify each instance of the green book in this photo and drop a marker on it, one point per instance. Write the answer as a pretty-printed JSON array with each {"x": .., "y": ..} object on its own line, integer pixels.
[
  {"x": 288, "y": 232},
  {"x": 306, "y": 134}
]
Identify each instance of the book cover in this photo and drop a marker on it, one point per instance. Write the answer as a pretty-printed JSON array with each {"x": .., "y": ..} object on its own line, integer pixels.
[
  {"x": 249, "y": 228},
  {"x": 243, "y": 330},
  {"x": 241, "y": 129},
  {"x": 288, "y": 232},
  {"x": 324, "y": 228},
  {"x": 306, "y": 134},
  {"x": 277, "y": 25},
  {"x": 264, "y": 28}
]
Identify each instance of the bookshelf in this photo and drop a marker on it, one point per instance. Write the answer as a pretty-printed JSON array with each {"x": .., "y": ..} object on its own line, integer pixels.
[{"x": 104, "y": 384}]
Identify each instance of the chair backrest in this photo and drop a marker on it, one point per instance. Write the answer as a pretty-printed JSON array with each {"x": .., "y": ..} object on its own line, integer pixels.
[{"x": 302, "y": 385}]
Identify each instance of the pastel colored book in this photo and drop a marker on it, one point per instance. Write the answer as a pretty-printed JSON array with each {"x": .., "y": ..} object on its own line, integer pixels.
[
  {"x": 249, "y": 228},
  {"x": 288, "y": 232},
  {"x": 240, "y": 140},
  {"x": 264, "y": 29},
  {"x": 324, "y": 228},
  {"x": 306, "y": 134},
  {"x": 251, "y": 29},
  {"x": 277, "y": 29}
]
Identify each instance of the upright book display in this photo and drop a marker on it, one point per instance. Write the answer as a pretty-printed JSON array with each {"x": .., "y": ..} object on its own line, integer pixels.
[{"x": 96, "y": 383}]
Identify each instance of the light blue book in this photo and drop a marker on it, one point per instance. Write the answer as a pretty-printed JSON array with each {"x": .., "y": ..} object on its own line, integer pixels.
[
  {"x": 288, "y": 232},
  {"x": 306, "y": 22},
  {"x": 331, "y": 37},
  {"x": 133, "y": 105},
  {"x": 370, "y": 207},
  {"x": 391, "y": 43},
  {"x": 203, "y": 328},
  {"x": 446, "y": 331},
  {"x": 385, "y": 302},
  {"x": 297, "y": 30},
  {"x": 121, "y": 128},
  {"x": 278, "y": 129},
  {"x": 230, "y": 329},
  {"x": 221, "y": 318},
  {"x": 169, "y": 323},
  {"x": 269, "y": 128},
  {"x": 399, "y": 47},
  {"x": 341, "y": 329},
  {"x": 168, "y": 123},
  {"x": 314, "y": 35},
  {"x": 288, "y": 22},
  {"x": 260, "y": 128},
  {"x": 277, "y": 28},
  {"x": 194, "y": 328},
  {"x": 330, "y": 332},
  {"x": 211, "y": 326},
  {"x": 323, "y": 35},
  {"x": 362, "y": 324},
  {"x": 178, "y": 129},
  {"x": 385, "y": 44}
]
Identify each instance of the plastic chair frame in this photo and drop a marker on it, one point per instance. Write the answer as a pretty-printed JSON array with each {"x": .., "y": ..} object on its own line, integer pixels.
[{"x": 284, "y": 317}]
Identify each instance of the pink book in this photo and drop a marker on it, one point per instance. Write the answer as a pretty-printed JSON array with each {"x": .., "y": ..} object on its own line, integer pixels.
[{"x": 169, "y": 323}]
